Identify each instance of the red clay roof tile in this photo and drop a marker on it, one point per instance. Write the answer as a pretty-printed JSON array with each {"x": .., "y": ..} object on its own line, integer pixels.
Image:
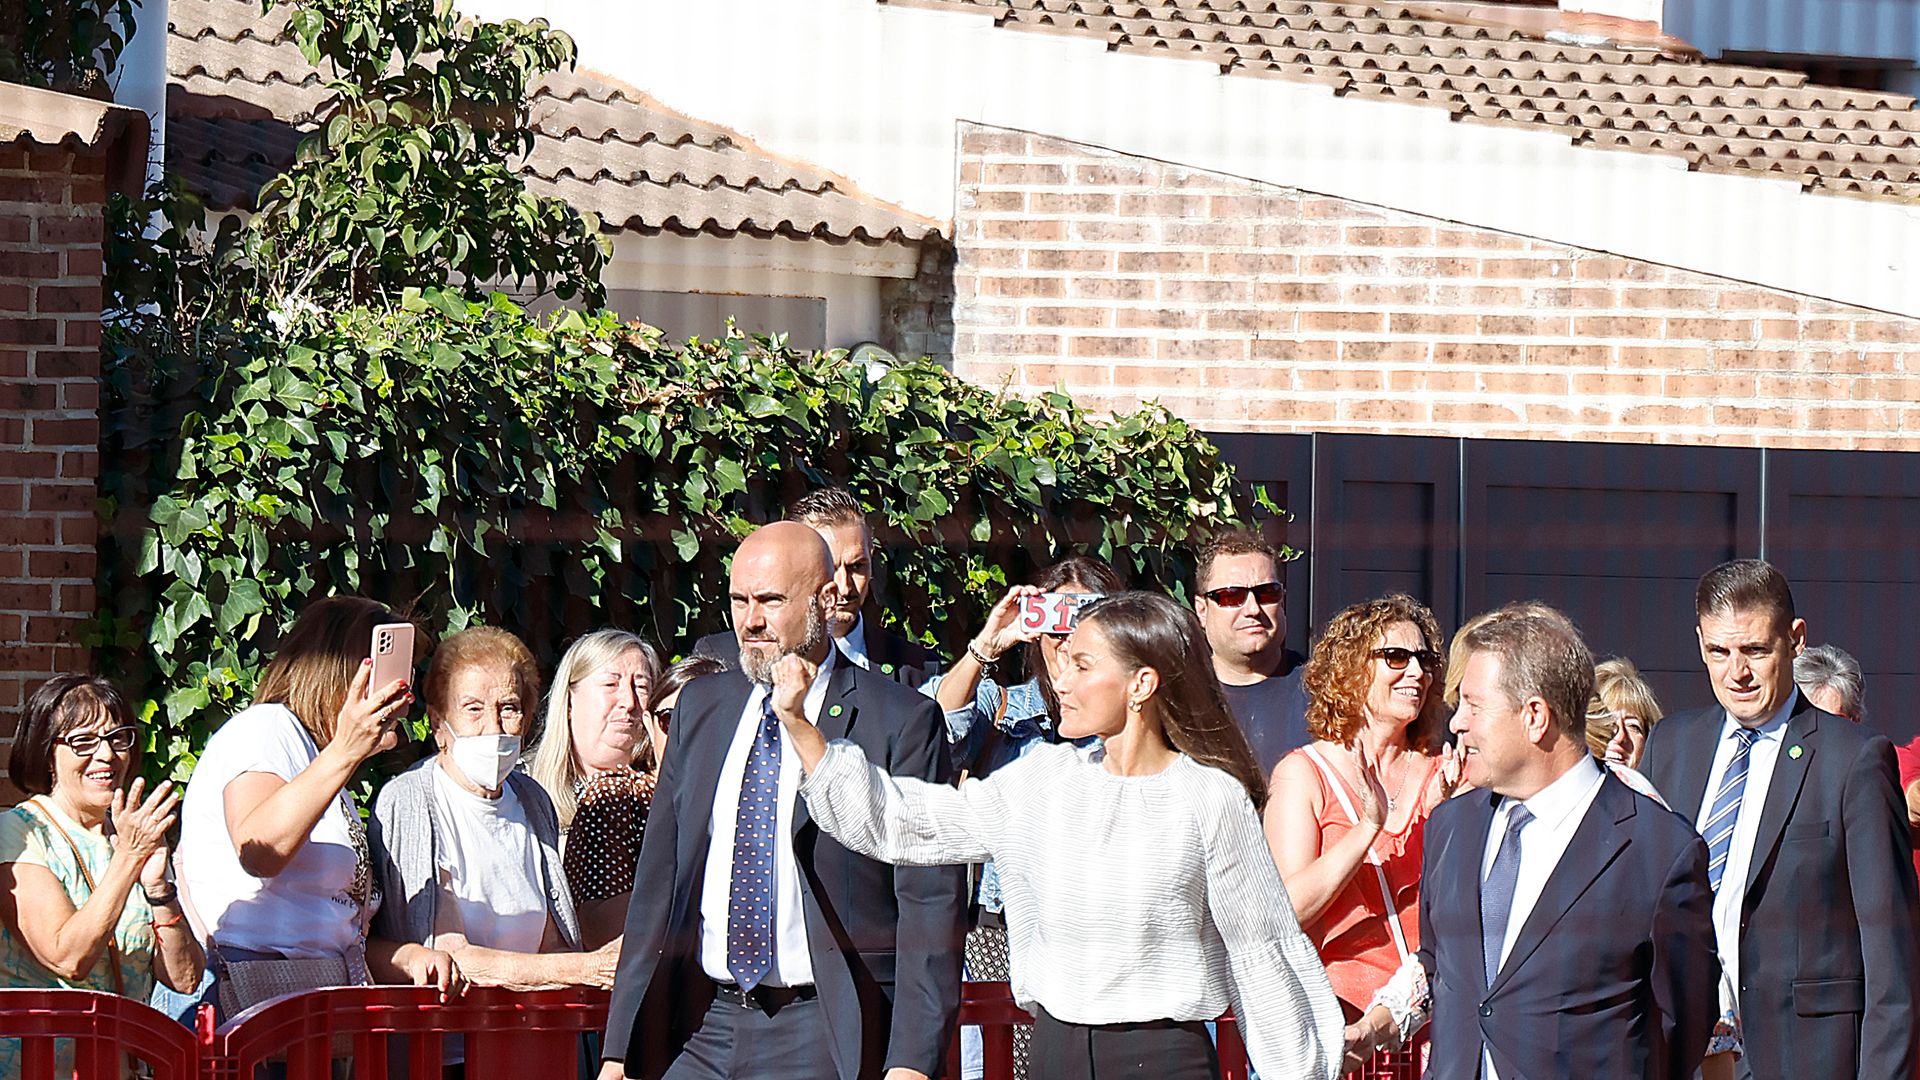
[
  {"x": 1599, "y": 81},
  {"x": 240, "y": 97}
]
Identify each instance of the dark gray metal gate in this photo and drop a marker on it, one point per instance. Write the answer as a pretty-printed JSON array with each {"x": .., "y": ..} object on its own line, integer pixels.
[{"x": 1614, "y": 534}]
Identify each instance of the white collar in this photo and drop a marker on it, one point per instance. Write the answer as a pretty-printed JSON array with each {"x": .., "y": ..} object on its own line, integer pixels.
[
  {"x": 1551, "y": 804},
  {"x": 855, "y": 643},
  {"x": 1772, "y": 729}
]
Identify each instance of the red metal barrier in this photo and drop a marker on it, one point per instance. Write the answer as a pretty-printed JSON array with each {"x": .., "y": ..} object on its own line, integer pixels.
[
  {"x": 509, "y": 1035},
  {"x": 105, "y": 1029},
  {"x": 990, "y": 1006},
  {"x": 1407, "y": 1063}
]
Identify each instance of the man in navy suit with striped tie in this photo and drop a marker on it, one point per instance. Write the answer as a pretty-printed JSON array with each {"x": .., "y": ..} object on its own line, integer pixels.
[
  {"x": 1564, "y": 919},
  {"x": 758, "y": 948},
  {"x": 1808, "y": 850}
]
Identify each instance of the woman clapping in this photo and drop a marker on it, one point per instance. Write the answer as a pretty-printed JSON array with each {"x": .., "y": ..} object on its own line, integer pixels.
[{"x": 84, "y": 909}]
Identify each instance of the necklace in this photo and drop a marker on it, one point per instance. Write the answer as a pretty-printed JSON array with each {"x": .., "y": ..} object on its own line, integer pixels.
[{"x": 1399, "y": 789}]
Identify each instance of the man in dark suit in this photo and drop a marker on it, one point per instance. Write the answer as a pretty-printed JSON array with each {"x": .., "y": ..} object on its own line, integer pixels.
[
  {"x": 1564, "y": 919},
  {"x": 757, "y": 948},
  {"x": 1814, "y": 905},
  {"x": 836, "y": 515}
]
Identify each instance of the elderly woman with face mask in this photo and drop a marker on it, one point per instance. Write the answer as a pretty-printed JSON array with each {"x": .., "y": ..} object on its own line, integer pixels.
[{"x": 466, "y": 848}]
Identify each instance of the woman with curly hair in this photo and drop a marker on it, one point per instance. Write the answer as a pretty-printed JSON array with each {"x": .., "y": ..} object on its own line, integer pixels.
[{"x": 1346, "y": 812}]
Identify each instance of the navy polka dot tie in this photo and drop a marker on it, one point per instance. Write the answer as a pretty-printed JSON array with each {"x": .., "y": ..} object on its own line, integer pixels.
[{"x": 750, "y": 907}]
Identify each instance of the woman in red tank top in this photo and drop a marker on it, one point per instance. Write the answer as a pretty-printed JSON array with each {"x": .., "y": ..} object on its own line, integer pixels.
[{"x": 1346, "y": 812}]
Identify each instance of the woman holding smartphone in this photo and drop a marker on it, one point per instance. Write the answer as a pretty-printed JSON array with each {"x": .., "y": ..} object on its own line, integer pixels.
[
  {"x": 273, "y": 858},
  {"x": 1141, "y": 899}
]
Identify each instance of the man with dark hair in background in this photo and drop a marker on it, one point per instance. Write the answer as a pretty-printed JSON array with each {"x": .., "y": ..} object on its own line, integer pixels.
[
  {"x": 837, "y": 516},
  {"x": 1240, "y": 594},
  {"x": 1808, "y": 852}
]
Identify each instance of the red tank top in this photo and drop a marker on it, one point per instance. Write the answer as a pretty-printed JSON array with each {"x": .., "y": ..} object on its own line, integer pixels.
[{"x": 1351, "y": 933}]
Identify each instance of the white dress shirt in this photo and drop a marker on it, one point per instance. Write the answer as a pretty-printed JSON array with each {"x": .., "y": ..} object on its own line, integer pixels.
[
  {"x": 1746, "y": 825},
  {"x": 1129, "y": 898},
  {"x": 1558, "y": 809},
  {"x": 792, "y": 964},
  {"x": 854, "y": 645}
]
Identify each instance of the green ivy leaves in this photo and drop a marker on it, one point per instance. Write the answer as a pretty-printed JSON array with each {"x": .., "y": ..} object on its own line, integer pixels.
[{"x": 475, "y": 463}]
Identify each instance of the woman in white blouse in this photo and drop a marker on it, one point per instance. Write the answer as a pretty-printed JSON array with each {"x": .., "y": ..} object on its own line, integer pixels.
[{"x": 1141, "y": 898}]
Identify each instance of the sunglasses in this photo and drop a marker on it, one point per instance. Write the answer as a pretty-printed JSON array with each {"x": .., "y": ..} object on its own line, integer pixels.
[
  {"x": 120, "y": 740},
  {"x": 1397, "y": 657},
  {"x": 1232, "y": 596},
  {"x": 663, "y": 717}
]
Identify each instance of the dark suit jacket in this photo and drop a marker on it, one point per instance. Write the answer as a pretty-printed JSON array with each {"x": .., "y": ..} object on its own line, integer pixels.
[
  {"x": 1613, "y": 974},
  {"x": 885, "y": 941},
  {"x": 1828, "y": 935},
  {"x": 891, "y": 654}
]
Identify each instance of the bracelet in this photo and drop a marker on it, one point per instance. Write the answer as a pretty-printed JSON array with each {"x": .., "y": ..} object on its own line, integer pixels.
[
  {"x": 979, "y": 657},
  {"x": 175, "y": 921},
  {"x": 165, "y": 898}
]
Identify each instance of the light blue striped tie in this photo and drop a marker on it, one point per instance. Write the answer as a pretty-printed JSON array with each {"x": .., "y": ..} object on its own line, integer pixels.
[{"x": 1718, "y": 826}]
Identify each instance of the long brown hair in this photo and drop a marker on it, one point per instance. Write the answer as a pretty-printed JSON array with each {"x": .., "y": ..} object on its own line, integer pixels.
[
  {"x": 316, "y": 663},
  {"x": 1149, "y": 630},
  {"x": 1091, "y": 574}
]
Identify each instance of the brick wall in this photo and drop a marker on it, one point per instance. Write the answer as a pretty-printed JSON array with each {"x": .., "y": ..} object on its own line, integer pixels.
[
  {"x": 917, "y": 312},
  {"x": 51, "y": 230},
  {"x": 1245, "y": 306}
]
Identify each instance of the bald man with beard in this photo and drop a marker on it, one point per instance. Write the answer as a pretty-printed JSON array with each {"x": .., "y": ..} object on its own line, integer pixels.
[{"x": 758, "y": 948}]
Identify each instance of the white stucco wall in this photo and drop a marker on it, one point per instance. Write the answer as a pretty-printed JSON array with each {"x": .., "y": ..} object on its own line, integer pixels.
[
  {"x": 874, "y": 92},
  {"x": 847, "y": 277}
]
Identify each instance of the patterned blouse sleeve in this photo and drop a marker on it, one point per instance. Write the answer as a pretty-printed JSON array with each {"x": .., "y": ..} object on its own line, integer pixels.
[
  {"x": 1289, "y": 1017},
  {"x": 901, "y": 820}
]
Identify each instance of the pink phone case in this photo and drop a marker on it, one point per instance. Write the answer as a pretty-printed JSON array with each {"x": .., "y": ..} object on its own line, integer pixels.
[{"x": 392, "y": 652}]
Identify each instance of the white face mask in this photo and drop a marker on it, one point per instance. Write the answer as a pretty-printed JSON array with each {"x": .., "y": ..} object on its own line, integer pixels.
[{"x": 486, "y": 759}]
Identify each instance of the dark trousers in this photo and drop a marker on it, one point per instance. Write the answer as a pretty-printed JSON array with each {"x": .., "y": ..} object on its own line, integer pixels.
[
  {"x": 735, "y": 1042},
  {"x": 1154, "y": 1050}
]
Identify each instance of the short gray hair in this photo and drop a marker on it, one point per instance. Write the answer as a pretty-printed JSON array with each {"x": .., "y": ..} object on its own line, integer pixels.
[{"x": 1835, "y": 669}]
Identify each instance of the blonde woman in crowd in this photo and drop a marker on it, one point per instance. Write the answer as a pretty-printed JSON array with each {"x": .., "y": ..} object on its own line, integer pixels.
[{"x": 595, "y": 730}]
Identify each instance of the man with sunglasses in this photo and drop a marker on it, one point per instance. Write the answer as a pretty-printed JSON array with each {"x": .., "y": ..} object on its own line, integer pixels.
[{"x": 1240, "y": 594}]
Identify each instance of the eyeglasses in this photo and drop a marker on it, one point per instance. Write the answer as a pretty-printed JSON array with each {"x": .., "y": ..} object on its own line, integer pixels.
[
  {"x": 120, "y": 739},
  {"x": 1232, "y": 596},
  {"x": 663, "y": 717},
  {"x": 1397, "y": 657}
]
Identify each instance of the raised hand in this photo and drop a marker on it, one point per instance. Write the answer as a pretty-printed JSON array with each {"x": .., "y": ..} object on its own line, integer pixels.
[
  {"x": 1452, "y": 769},
  {"x": 140, "y": 824},
  {"x": 366, "y": 721},
  {"x": 1003, "y": 630},
  {"x": 1371, "y": 795},
  {"x": 792, "y": 675}
]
